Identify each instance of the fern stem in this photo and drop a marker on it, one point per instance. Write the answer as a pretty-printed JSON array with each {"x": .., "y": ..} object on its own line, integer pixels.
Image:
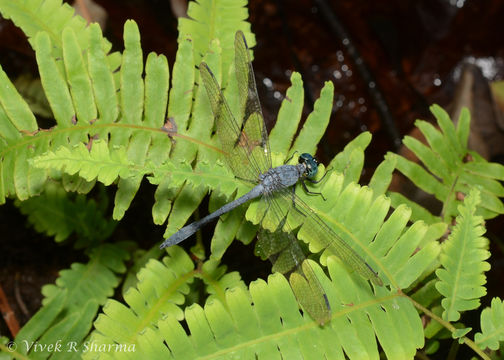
[
  {"x": 448, "y": 200},
  {"x": 451, "y": 328}
]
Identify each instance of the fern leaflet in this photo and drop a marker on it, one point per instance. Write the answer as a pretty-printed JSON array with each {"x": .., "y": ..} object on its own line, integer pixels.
[
  {"x": 492, "y": 326},
  {"x": 71, "y": 305},
  {"x": 463, "y": 260},
  {"x": 449, "y": 168}
]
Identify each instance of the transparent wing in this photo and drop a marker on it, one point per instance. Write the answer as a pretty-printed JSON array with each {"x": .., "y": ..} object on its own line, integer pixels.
[
  {"x": 282, "y": 248},
  {"x": 253, "y": 121},
  {"x": 325, "y": 235},
  {"x": 245, "y": 142},
  {"x": 234, "y": 144}
]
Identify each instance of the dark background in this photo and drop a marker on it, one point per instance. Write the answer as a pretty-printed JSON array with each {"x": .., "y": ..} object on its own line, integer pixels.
[{"x": 411, "y": 50}]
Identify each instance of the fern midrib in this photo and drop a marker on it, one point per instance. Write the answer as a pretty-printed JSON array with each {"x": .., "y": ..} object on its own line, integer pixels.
[
  {"x": 449, "y": 196},
  {"x": 154, "y": 311},
  {"x": 95, "y": 263},
  {"x": 219, "y": 290},
  {"x": 467, "y": 228},
  {"x": 496, "y": 334},
  {"x": 27, "y": 140},
  {"x": 298, "y": 329}
]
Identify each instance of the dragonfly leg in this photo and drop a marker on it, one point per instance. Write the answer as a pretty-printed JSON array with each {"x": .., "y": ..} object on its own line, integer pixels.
[
  {"x": 289, "y": 159},
  {"x": 312, "y": 192}
]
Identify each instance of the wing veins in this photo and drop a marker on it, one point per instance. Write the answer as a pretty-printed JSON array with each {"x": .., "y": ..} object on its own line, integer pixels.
[
  {"x": 226, "y": 123},
  {"x": 333, "y": 241}
]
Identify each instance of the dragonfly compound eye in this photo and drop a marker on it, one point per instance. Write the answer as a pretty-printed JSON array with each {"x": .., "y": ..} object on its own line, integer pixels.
[{"x": 310, "y": 163}]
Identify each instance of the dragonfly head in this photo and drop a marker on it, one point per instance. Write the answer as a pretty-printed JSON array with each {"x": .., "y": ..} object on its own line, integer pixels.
[{"x": 311, "y": 165}]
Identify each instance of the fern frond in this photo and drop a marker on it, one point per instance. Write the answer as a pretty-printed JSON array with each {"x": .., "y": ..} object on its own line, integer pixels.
[
  {"x": 15, "y": 117},
  {"x": 449, "y": 167},
  {"x": 95, "y": 163},
  {"x": 215, "y": 19},
  {"x": 249, "y": 325},
  {"x": 463, "y": 260},
  {"x": 82, "y": 94},
  {"x": 289, "y": 116},
  {"x": 18, "y": 178},
  {"x": 217, "y": 280},
  {"x": 55, "y": 214},
  {"x": 94, "y": 280},
  {"x": 70, "y": 306},
  {"x": 350, "y": 161},
  {"x": 316, "y": 123},
  {"x": 492, "y": 326},
  {"x": 51, "y": 16},
  {"x": 382, "y": 176},
  {"x": 159, "y": 293}
]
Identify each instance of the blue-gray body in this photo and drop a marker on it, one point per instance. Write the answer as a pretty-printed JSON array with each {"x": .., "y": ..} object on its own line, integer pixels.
[{"x": 271, "y": 181}]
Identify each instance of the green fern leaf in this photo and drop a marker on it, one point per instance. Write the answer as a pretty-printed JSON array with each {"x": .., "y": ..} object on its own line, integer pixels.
[
  {"x": 102, "y": 79},
  {"x": 132, "y": 103},
  {"x": 15, "y": 108},
  {"x": 94, "y": 280},
  {"x": 53, "y": 81},
  {"x": 463, "y": 259},
  {"x": 55, "y": 214},
  {"x": 492, "y": 326},
  {"x": 446, "y": 170},
  {"x": 97, "y": 163},
  {"x": 181, "y": 92},
  {"x": 350, "y": 161},
  {"x": 215, "y": 19},
  {"x": 252, "y": 326},
  {"x": 218, "y": 280},
  {"x": 34, "y": 16},
  {"x": 39, "y": 323},
  {"x": 18, "y": 177},
  {"x": 289, "y": 116},
  {"x": 78, "y": 78},
  {"x": 70, "y": 306},
  {"x": 242, "y": 323},
  {"x": 382, "y": 177},
  {"x": 316, "y": 123},
  {"x": 160, "y": 291},
  {"x": 15, "y": 118}
]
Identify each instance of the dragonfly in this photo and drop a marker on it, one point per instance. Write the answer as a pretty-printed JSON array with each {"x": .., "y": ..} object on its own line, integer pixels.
[{"x": 248, "y": 156}]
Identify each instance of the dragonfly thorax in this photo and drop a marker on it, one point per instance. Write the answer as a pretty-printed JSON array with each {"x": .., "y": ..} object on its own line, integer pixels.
[{"x": 310, "y": 165}]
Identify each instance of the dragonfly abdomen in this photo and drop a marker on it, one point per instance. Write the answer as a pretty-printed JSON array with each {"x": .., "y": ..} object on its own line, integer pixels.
[{"x": 190, "y": 229}]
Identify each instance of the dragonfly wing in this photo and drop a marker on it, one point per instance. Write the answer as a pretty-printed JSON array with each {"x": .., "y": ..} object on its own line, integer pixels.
[
  {"x": 252, "y": 127},
  {"x": 282, "y": 248},
  {"x": 245, "y": 142},
  {"x": 333, "y": 242},
  {"x": 228, "y": 131}
]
